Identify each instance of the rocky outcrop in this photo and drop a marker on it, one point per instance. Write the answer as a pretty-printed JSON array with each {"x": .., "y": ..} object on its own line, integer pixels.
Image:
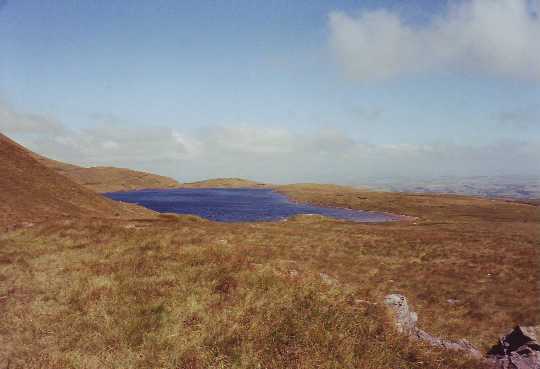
[
  {"x": 405, "y": 321},
  {"x": 519, "y": 349}
]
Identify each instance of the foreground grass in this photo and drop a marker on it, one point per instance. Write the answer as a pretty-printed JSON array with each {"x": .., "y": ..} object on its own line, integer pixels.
[
  {"x": 185, "y": 293},
  {"x": 102, "y": 296}
]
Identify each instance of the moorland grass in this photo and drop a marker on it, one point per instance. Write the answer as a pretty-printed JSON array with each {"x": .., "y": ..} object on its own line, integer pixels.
[
  {"x": 181, "y": 292},
  {"x": 102, "y": 296}
]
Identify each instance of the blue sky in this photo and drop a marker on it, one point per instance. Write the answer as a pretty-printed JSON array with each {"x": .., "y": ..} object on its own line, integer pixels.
[{"x": 284, "y": 76}]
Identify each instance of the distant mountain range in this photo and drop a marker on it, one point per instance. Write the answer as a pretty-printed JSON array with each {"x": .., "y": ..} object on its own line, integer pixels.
[{"x": 517, "y": 187}]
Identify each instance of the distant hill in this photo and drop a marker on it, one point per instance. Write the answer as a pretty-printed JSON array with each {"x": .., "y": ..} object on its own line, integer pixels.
[
  {"x": 108, "y": 179},
  {"x": 30, "y": 191},
  {"x": 225, "y": 183}
]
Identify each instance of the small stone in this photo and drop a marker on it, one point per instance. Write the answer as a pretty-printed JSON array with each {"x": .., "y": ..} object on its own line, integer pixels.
[
  {"x": 326, "y": 279},
  {"x": 293, "y": 273},
  {"x": 405, "y": 318}
]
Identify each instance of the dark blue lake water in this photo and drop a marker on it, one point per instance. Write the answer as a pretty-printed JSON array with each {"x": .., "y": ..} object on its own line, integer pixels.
[{"x": 236, "y": 205}]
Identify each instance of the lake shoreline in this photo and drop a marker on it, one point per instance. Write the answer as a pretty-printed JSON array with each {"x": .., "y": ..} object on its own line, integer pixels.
[{"x": 243, "y": 205}]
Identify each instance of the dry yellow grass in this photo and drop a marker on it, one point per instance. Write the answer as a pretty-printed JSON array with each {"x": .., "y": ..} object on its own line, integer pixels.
[
  {"x": 182, "y": 292},
  {"x": 484, "y": 253},
  {"x": 185, "y": 294}
]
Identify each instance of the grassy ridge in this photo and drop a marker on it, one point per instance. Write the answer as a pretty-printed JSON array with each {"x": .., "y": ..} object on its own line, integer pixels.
[
  {"x": 97, "y": 179},
  {"x": 31, "y": 192}
]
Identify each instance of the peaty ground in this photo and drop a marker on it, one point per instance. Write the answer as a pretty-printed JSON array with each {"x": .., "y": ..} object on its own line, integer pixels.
[{"x": 182, "y": 292}]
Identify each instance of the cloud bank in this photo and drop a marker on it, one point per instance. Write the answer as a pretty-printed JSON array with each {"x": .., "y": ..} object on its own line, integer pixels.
[
  {"x": 492, "y": 37},
  {"x": 12, "y": 122},
  {"x": 277, "y": 155}
]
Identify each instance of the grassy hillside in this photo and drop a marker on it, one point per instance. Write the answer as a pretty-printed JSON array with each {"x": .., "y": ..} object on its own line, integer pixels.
[
  {"x": 225, "y": 183},
  {"x": 182, "y": 292},
  {"x": 110, "y": 179},
  {"x": 31, "y": 192},
  {"x": 428, "y": 207},
  {"x": 89, "y": 286},
  {"x": 104, "y": 179}
]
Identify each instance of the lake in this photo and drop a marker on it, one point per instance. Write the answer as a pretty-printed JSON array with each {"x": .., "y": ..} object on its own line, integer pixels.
[{"x": 237, "y": 205}]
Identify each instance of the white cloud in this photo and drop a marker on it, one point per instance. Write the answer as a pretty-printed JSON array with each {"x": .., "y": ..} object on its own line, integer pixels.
[
  {"x": 13, "y": 122},
  {"x": 110, "y": 145},
  {"x": 276, "y": 154},
  {"x": 494, "y": 37},
  {"x": 247, "y": 139},
  {"x": 192, "y": 147},
  {"x": 282, "y": 156}
]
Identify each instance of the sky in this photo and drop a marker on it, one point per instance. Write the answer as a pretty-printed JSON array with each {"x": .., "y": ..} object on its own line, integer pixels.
[{"x": 277, "y": 91}]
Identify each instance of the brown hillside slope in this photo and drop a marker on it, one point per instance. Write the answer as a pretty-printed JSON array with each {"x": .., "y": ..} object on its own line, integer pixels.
[
  {"x": 29, "y": 191},
  {"x": 108, "y": 179}
]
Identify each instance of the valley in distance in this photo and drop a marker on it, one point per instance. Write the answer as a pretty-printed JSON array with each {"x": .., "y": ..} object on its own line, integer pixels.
[{"x": 88, "y": 282}]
